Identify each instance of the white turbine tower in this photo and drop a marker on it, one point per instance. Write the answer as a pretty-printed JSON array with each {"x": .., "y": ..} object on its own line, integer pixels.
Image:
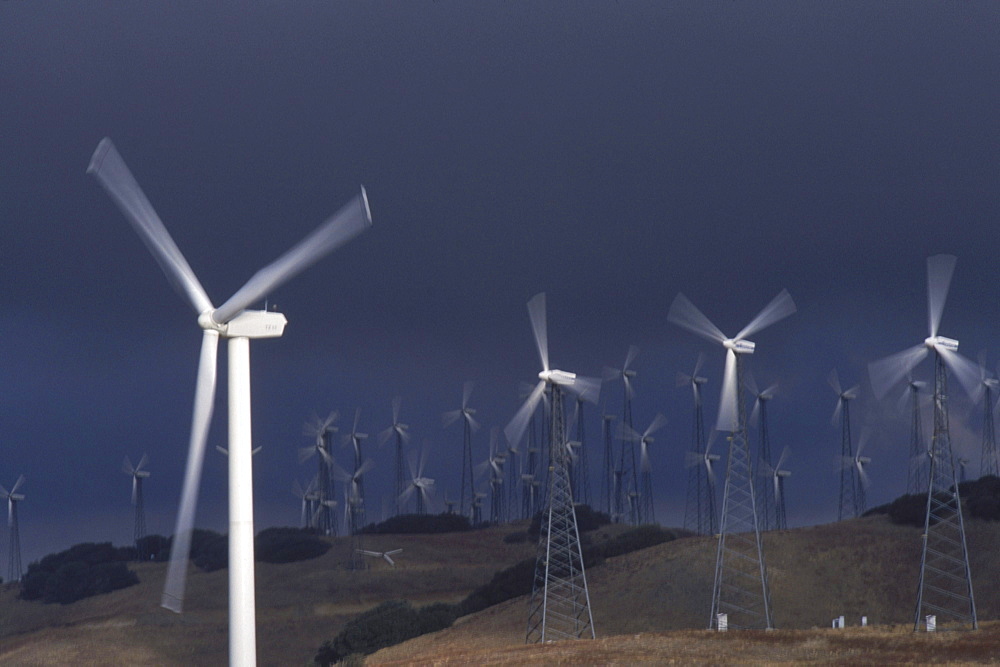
[
  {"x": 945, "y": 588},
  {"x": 233, "y": 321},
  {"x": 740, "y": 591}
]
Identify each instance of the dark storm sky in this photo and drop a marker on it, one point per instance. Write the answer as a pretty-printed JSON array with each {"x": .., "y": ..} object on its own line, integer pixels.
[{"x": 610, "y": 154}]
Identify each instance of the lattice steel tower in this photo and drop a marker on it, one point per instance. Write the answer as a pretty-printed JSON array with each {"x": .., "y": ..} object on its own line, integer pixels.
[
  {"x": 609, "y": 491},
  {"x": 581, "y": 469},
  {"x": 469, "y": 425},
  {"x": 945, "y": 588},
  {"x": 560, "y": 603},
  {"x": 627, "y": 498},
  {"x": 851, "y": 503},
  {"x": 767, "y": 502},
  {"x": 740, "y": 590}
]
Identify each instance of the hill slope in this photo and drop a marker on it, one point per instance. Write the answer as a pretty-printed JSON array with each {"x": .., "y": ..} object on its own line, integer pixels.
[{"x": 863, "y": 566}]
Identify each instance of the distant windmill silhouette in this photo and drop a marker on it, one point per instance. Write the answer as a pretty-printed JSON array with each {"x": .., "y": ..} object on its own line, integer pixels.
[
  {"x": 14, "y": 542},
  {"x": 469, "y": 426},
  {"x": 139, "y": 532},
  {"x": 400, "y": 431}
]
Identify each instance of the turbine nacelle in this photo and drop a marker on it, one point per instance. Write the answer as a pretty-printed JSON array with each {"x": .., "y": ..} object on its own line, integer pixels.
[
  {"x": 739, "y": 346},
  {"x": 941, "y": 343},
  {"x": 558, "y": 377},
  {"x": 248, "y": 324}
]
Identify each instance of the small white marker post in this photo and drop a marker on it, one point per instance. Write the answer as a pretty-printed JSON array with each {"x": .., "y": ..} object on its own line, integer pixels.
[
  {"x": 931, "y": 622},
  {"x": 722, "y": 620},
  {"x": 864, "y": 621}
]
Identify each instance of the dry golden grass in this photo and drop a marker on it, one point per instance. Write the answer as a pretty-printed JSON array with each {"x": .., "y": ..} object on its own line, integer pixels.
[{"x": 648, "y": 606}]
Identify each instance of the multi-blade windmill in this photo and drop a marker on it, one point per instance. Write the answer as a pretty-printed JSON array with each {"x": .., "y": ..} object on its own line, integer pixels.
[
  {"x": 139, "y": 529},
  {"x": 231, "y": 320},
  {"x": 699, "y": 507},
  {"x": 767, "y": 507},
  {"x": 322, "y": 431},
  {"x": 494, "y": 464},
  {"x": 945, "y": 588},
  {"x": 14, "y": 531},
  {"x": 560, "y": 604},
  {"x": 627, "y": 473},
  {"x": 740, "y": 591},
  {"x": 419, "y": 486},
  {"x": 400, "y": 432},
  {"x": 850, "y": 484},
  {"x": 469, "y": 426},
  {"x": 309, "y": 499}
]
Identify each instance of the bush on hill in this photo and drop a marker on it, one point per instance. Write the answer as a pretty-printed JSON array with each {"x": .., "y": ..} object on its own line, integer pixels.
[
  {"x": 288, "y": 545},
  {"x": 81, "y": 571},
  {"x": 387, "y": 624},
  {"x": 155, "y": 548},
  {"x": 587, "y": 519},
  {"x": 420, "y": 524},
  {"x": 209, "y": 550}
]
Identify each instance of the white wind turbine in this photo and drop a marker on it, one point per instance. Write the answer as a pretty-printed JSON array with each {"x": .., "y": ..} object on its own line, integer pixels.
[
  {"x": 419, "y": 485},
  {"x": 384, "y": 555},
  {"x": 233, "y": 321}
]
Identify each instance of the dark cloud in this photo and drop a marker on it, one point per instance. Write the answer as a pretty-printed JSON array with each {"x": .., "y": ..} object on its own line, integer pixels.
[{"x": 611, "y": 154}]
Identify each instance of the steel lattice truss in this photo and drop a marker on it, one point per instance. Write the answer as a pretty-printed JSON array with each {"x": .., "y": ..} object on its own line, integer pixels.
[
  {"x": 14, "y": 567},
  {"x": 740, "y": 589},
  {"x": 767, "y": 511},
  {"x": 851, "y": 491},
  {"x": 700, "y": 513},
  {"x": 560, "y": 604},
  {"x": 917, "y": 479},
  {"x": 988, "y": 466},
  {"x": 945, "y": 588}
]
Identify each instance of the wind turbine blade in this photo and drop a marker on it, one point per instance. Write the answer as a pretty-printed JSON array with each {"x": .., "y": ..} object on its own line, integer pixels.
[
  {"x": 127, "y": 466},
  {"x": 780, "y": 307},
  {"x": 939, "y": 271},
  {"x": 135, "y": 490},
  {"x": 112, "y": 173},
  {"x": 884, "y": 373},
  {"x": 684, "y": 314},
  {"x": 411, "y": 462},
  {"x": 833, "y": 379},
  {"x": 341, "y": 227},
  {"x": 755, "y": 411},
  {"x": 691, "y": 459},
  {"x": 473, "y": 424},
  {"x": 697, "y": 365},
  {"x": 630, "y": 356},
  {"x": 305, "y": 453},
  {"x": 467, "y": 388},
  {"x": 781, "y": 459},
  {"x": 728, "y": 414},
  {"x": 964, "y": 369},
  {"x": 385, "y": 435},
  {"x": 658, "y": 421},
  {"x": 142, "y": 462},
  {"x": 587, "y": 388},
  {"x": 515, "y": 429},
  {"x": 397, "y": 402},
  {"x": 536, "y": 312},
  {"x": 450, "y": 417},
  {"x": 180, "y": 548}
]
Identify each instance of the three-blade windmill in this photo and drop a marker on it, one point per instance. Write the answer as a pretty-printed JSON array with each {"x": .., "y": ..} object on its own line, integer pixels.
[
  {"x": 775, "y": 476},
  {"x": 740, "y": 590},
  {"x": 469, "y": 426},
  {"x": 139, "y": 530},
  {"x": 14, "y": 530},
  {"x": 849, "y": 482},
  {"x": 626, "y": 472},
  {"x": 560, "y": 604},
  {"x": 322, "y": 431},
  {"x": 421, "y": 487},
  {"x": 400, "y": 432},
  {"x": 699, "y": 505},
  {"x": 945, "y": 588},
  {"x": 644, "y": 499},
  {"x": 767, "y": 507},
  {"x": 233, "y": 321}
]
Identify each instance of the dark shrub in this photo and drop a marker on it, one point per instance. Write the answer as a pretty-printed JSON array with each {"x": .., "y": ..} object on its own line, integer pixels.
[
  {"x": 909, "y": 510},
  {"x": 420, "y": 523},
  {"x": 981, "y": 498},
  {"x": 155, "y": 548},
  {"x": 505, "y": 584},
  {"x": 386, "y": 625},
  {"x": 288, "y": 545},
  {"x": 209, "y": 550},
  {"x": 586, "y": 519},
  {"x": 78, "y": 572}
]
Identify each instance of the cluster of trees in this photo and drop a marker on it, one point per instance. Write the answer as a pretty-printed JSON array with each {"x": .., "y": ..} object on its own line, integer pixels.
[
  {"x": 980, "y": 500},
  {"x": 408, "y": 524},
  {"x": 78, "y": 572}
]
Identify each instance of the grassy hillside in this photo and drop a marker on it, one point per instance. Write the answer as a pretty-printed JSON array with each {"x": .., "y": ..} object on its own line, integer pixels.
[{"x": 863, "y": 566}]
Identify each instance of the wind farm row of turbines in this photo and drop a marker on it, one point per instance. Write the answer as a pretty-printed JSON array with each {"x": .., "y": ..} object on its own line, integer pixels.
[{"x": 559, "y": 606}]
